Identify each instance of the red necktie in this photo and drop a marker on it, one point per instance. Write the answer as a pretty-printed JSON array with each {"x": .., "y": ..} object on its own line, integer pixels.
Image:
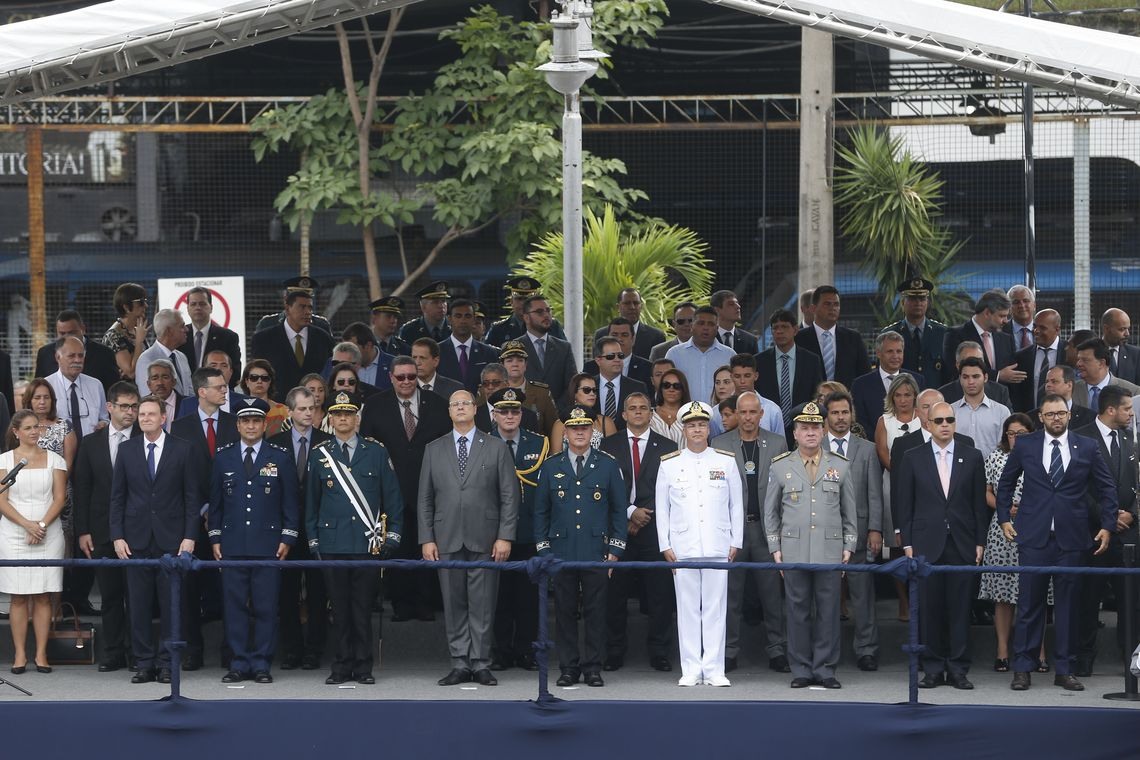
[
  {"x": 211, "y": 439},
  {"x": 636, "y": 460}
]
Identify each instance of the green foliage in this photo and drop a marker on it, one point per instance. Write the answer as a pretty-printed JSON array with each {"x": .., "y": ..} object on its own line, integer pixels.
[
  {"x": 666, "y": 263},
  {"x": 891, "y": 203}
]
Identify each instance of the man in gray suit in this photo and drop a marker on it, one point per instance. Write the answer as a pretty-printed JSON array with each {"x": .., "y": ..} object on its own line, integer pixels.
[
  {"x": 867, "y": 482},
  {"x": 809, "y": 514},
  {"x": 754, "y": 450},
  {"x": 468, "y": 512},
  {"x": 1093, "y": 357},
  {"x": 549, "y": 359}
]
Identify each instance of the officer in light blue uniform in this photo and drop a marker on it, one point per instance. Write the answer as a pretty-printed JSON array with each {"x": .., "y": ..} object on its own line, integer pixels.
[{"x": 253, "y": 514}]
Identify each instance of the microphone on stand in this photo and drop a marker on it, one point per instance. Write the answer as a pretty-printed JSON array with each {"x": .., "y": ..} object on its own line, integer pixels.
[{"x": 10, "y": 478}]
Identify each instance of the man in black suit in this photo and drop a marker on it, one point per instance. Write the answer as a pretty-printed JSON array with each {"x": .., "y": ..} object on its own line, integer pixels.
[
  {"x": 841, "y": 348},
  {"x": 406, "y": 419},
  {"x": 91, "y": 486},
  {"x": 425, "y": 353},
  {"x": 99, "y": 362},
  {"x": 613, "y": 386},
  {"x": 155, "y": 485},
  {"x": 637, "y": 367},
  {"x": 1113, "y": 431},
  {"x": 640, "y": 476},
  {"x": 461, "y": 357},
  {"x": 1036, "y": 360},
  {"x": 944, "y": 518},
  {"x": 870, "y": 390},
  {"x": 952, "y": 391},
  {"x": 645, "y": 337},
  {"x": 804, "y": 372},
  {"x": 728, "y": 315},
  {"x": 1022, "y": 305},
  {"x": 1115, "y": 329},
  {"x": 302, "y": 645},
  {"x": 991, "y": 312},
  {"x": 1062, "y": 380},
  {"x": 549, "y": 359},
  {"x": 293, "y": 346},
  {"x": 203, "y": 335},
  {"x": 208, "y": 429}
]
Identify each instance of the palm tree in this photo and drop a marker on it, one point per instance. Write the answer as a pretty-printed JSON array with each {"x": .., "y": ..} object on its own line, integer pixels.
[
  {"x": 665, "y": 263},
  {"x": 892, "y": 203}
]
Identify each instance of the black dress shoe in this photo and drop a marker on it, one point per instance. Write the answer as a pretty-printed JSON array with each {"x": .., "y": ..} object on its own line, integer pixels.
[
  {"x": 335, "y": 679},
  {"x": 233, "y": 676},
  {"x": 929, "y": 681},
  {"x": 1083, "y": 669},
  {"x": 831, "y": 683},
  {"x": 143, "y": 676},
  {"x": 310, "y": 662},
  {"x": 594, "y": 678},
  {"x": 730, "y": 664},
  {"x": 568, "y": 678},
  {"x": 527, "y": 662},
  {"x": 868, "y": 663},
  {"x": 662, "y": 664},
  {"x": 484, "y": 677},
  {"x": 164, "y": 675},
  {"x": 110, "y": 666},
  {"x": 365, "y": 678},
  {"x": 456, "y": 676},
  {"x": 960, "y": 682},
  {"x": 194, "y": 662},
  {"x": 801, "y": 683},
  {"x": 500, "y": 663},
  {"x": 1020, "y": 681},
  {"x": 262, "y": 676},
  {"x": 613, "y": 663},
  {"x": 779, "y": 664},
  {"x": 1066, "y": 681},
  {"x": 290, "y": 663}
]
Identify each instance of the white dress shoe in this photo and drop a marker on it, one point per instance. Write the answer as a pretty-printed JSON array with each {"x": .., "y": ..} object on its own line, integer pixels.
[
  {"x": 718, "y": 681},
  {"x": 688, "y": 681}
]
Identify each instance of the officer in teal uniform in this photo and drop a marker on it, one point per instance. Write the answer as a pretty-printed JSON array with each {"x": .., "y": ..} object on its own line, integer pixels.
[
  {"x": 434, "y": 324},
  {"x": 923, "y": 336},
  {"x": 580, "y": 514},
  {"x": 516, "y": 614},
  {"x": 511, "y": 327},
  {"x": 306, "y": 285},
  {"x": 389, "y": 310},
  {"x": 353, "y": 510},
  {"x": 253, "y": 514}
]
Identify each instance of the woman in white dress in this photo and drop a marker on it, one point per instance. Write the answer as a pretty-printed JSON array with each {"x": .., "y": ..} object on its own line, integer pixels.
[
  {"x": 30, "y": 529},
  {"x": 900, "y": 416}
]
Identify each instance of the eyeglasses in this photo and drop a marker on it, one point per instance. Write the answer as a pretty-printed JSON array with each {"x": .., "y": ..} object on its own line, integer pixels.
[
  {"x": 587, "y": 389},
  {"x": 540, "y": 312},
  {"x": 1055, "y": 415},
  {"x": 346, "y": 381},
  {"x": 403, "y": 378},
  {"x": 1015, "y": 433},
  {"x": 611, "y": 357},
  {"x": 462, "y": 404},
  {"x": 126, "y": 407},
  {"x": 683, "y": 321},
  {"x": 257, "y": 378},
  {"x": 143, "y": 301},
  {"x": 943, "y": 420}
]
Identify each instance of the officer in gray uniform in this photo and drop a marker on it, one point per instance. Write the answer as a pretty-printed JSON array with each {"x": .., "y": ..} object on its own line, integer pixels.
[
  {"x": 809, "y": 514},
  {"x": 306, "y": 285}
]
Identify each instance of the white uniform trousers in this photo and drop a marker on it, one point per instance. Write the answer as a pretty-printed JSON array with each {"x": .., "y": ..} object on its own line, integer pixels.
[{"x": 702, "y": 602}]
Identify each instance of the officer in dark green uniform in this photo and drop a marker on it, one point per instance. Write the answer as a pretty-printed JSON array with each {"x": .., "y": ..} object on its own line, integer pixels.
[
  {"x": 579, "y": 514},
  {"x": 353, "y": 510},
  {"x": 433, "y": 324},
  {"x": 512, "y": 327},
  {"x": 306, "y": 285},
  {"x": 516, "y": 614},
  {"x": 386, "y": 316},
  {"x": 922, "y": 352}
]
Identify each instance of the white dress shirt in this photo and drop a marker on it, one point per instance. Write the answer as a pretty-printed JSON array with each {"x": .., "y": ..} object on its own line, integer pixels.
[
  {"x": 1047, "y": 451},
  {"x": 159, "y": 443},
  {"x": 603, "y": 393},
  {"x": 292, "y": 334}
]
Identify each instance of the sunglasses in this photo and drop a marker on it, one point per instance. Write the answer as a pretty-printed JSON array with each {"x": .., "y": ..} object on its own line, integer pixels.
[
  {"x": 668, "y": 386},
  {"x": 403, "y": 378},
  {"x": 611, "y": 357},
  {"x": 257, "y": 378},
  {"x": 345, "y": 381},
  {"x": 683, "y": 321},
  {"x": 587, "y": 389},
  {"x": 943, "y": 420}
]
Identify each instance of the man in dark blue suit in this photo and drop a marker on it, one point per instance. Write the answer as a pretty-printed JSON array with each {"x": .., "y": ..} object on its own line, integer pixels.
[
  {"x": 944, "y": 518},
  {"x": 155, "y": 500},
  {"x": 1053, "y": 531},
  {"x": 461, "y": 357},
  {"x": 253, "y": 515},
  {"x": 841, "y": 348},
  {"x": 727, "y": 307},
  {"x": 870, "y": 389}
]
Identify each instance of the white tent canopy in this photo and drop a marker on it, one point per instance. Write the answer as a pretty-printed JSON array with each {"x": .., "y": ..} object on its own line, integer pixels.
[{"x": 112, "y": 40}]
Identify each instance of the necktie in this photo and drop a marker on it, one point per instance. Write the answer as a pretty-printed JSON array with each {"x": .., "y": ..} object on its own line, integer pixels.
[
  {"x": 1094, "y": 399},
  {"x": 785, "y": 384},
  {"x": 409, "y": 420},
  {"x": 988, "y": 345},
  {"x": 211, "y": 437},
  {"x": 298, "y": 350},
  {"x": 116, "y": 439},
  {"x": 249, "y": 461},
  {"x": 462, "y": 456},
  {"x": 944, "y": 472},
  {"x": 1025, "y": 337},
  {"x": 726, "y": 339},
  {"x": 828, "y": 348},
  {"x": 1113, "y": 357},
  {"x": 611, "y": 400},
  {"x": 150, "y": 459},
  {"x": 511, "y": 446},
  {"x": 579, "y": 463},
  {"x": 177, "y": 374},
  {"x": 540, "y": 351},
  {"x": 198, "y": 341},
  {"x": 347, "y": 453},
  {"x": 463, "y": 361},
  {"x": 1056, "y": 468},
  {"x": 76, "y": 421},
  {"x": 810, "y": 466},
  {"x": 839, "y": 444},
  {"x": 1041, "y": 372},
  {"x": 425, "y": 387},
  {"x": 636, "y": 459},
  {"x": 1114, "y": 452},
  {"x": 887, "y": 381},
  {"x": 302, "y": 458}
]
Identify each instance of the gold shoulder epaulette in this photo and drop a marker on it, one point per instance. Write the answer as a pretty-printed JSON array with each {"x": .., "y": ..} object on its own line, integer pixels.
[
  {"x": 670, "y": 455},
  {"x": 785, "y": 454},
  {"x": 605, "y": 453},
  {"x": 324, "y": 444},
  {"x": 726, "y": 453},
  {"x": 370, "y": 439},
  {"x": 836, "y": 455},
  {"x": 538, "y": 384}
]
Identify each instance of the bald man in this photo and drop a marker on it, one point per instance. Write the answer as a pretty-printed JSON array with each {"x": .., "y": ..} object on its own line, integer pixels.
[
  {"x": 1036, "y": 360},
  {"x": 1115, "y": 328}
]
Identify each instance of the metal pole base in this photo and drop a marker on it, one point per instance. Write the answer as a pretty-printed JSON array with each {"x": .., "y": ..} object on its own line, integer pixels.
[{"x": 1123, "y": 696}]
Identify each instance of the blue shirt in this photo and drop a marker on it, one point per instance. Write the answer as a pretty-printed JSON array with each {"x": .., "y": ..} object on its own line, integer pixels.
[{"x": 699, "y": 366}]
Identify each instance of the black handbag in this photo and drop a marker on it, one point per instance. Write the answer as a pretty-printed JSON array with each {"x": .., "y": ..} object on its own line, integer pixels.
[{"x": 71, "y": 641}]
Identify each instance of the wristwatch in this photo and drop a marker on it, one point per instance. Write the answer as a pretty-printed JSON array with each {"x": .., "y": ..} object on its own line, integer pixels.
[{"x": 42, "y": 524}]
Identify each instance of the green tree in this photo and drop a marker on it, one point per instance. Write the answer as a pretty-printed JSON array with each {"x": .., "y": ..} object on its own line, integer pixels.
[
  {"x": 891, "y": 203},
  {"x": 667, "y": 264},
  {"x": 481, "y": 140}
]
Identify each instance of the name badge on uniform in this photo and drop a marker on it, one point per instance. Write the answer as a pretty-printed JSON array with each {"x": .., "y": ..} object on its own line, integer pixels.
[
  {"x": 716, "y": 475},
  {"x": 832, "y": 475}
]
